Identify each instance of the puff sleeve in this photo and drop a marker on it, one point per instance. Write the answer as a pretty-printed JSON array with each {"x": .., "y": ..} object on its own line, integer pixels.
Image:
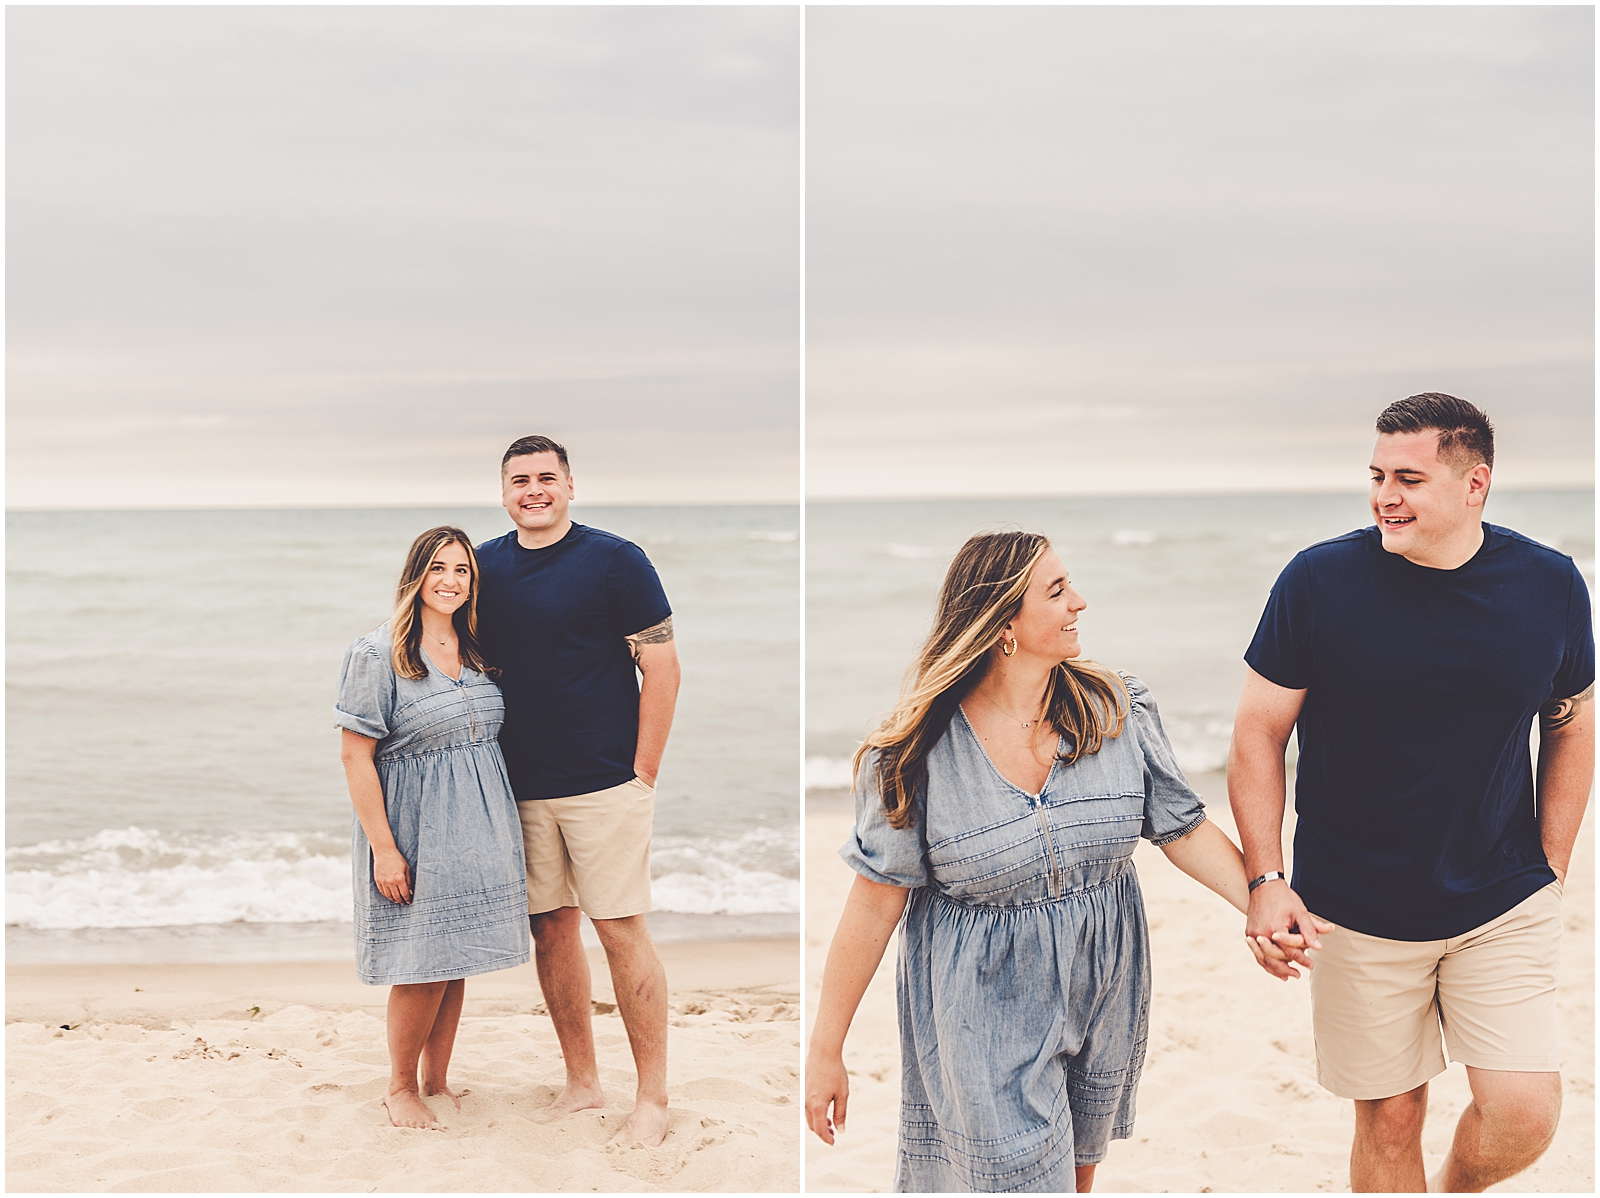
[
  {"x": 875, "y": 850},
  {"x": 1172, "y": 809},
  {"x": 366, "y": 691}
]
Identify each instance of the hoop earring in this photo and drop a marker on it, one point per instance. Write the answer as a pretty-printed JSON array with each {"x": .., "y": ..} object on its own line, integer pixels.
[{"x": 1009, "y": 647}]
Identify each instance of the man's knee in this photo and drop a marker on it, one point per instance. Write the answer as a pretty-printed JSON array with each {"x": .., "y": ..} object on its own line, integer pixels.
[
  {"x": 1392, "y": 1126},
  {"x": 1519, "y": 1108},
  {"x": 554, "y": 928},
  {"x": 624, "y": 934}
]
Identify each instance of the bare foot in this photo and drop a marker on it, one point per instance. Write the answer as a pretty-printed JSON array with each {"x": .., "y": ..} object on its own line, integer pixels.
[
  {"x": 406, "y": 1109},
  {"x": 573, "y": 1098},
  {"x": 647, "y": 1125},
  {"x": 431, "y": 1090}
]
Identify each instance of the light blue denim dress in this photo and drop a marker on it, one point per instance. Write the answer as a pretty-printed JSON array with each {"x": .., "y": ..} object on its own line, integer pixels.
[
  {"x": 452, "y": 816},
  {"x": 1024, "y": 967}
]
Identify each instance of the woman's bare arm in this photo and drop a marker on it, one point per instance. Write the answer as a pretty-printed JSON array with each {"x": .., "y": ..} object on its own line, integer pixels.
[
  {"x": 389, "y": 870},
  {"x": 1210, "y": 858},
  {"x": 865, "y": 928}
]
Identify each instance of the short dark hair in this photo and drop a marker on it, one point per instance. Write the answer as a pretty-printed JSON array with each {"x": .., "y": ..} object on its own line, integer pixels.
[
  {"x": 1465, "y": 435},
  {"x": 526, "y": 445}
]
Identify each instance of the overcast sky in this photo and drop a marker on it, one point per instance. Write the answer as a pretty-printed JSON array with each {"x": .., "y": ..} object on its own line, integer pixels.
[
  {"x": 345, "y": 255},
  {"x": 1147, "y": 249}
]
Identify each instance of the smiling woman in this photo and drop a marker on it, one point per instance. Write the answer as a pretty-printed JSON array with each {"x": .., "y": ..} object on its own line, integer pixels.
[{"x": 439, "y": 880}]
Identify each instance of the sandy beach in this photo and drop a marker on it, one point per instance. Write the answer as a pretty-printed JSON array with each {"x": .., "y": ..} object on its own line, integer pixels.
[
  {"x": 269, "y": 1077},
  {"x": 1229, "y": 1100}
]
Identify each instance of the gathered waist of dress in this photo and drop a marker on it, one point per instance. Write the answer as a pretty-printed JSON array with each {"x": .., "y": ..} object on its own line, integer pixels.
[
  {"x": 1122, "y": 875},
  {"x": 382, "y": 758}
]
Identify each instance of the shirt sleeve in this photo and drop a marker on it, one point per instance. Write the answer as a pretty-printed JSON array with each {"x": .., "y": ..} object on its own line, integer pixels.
[
  {"x": 1281, "y": 650},
  {"x": 366, "y": 691},
  {"x": 637, "y": 598},
  {"x": 875, "y": 850},
  {"x": 1172, "y": 809},
  {"x": 1576, "y": 672}
]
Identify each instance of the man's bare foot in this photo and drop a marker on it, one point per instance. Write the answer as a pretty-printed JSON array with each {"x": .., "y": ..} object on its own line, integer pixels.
[
  {"x": 406, "y": 1109},
  {"x": 431, "y": 1090},
  {"x": 647, "y": 1125},
  {"x": 573, "y": 1098}
]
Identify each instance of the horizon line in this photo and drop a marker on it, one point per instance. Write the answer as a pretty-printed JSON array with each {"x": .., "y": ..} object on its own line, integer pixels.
[{"x": 927, "y": 497}]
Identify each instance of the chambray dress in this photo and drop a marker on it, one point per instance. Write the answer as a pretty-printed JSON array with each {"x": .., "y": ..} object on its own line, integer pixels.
[
  {"x": 1024, "y": 966},
  {"x": 453, "y": 818}
]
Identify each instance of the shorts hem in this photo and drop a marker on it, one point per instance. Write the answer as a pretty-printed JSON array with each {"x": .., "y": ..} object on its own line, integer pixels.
[
  {"x": 1508, "y": 1064},
  {"x": 644, "y": 910},
  {"x": 1377, "y": 1090}
]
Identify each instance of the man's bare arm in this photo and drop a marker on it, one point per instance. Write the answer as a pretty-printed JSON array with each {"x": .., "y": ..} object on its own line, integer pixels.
[
  {"x": 656, "y": 655},
  {"x": 656, "y": 634},
  {"x": 1256, "y": 781},
  {"x": 1566, "y": 772}
]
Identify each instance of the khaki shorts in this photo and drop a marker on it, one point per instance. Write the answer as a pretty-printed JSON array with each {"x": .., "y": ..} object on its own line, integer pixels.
[
  {"x": 590, "y": 851},
  {"x": 1377, "y": 1005}
]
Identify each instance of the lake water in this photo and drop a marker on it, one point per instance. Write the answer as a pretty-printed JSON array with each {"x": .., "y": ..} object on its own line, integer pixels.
[
  {"x": 1175, "y": 586},
  {"x": 172, "y": 776}
]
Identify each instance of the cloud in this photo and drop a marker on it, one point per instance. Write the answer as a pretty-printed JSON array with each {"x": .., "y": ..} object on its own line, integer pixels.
[
  {"x": 1069, "y": 249},
  {"x": 339, "y": 235}
]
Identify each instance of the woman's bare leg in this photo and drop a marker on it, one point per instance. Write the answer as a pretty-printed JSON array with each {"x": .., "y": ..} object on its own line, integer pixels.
[
  {"x": 1085, "y": 1175},
  {"x": 441, "y": 1041},
  {"x": 412, "y": 1011}
]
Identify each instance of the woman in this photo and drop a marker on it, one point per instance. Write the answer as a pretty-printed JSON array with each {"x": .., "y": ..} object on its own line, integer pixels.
[
  {"x": 997, "y": 809},
  {"x": 437, "y": 847}
]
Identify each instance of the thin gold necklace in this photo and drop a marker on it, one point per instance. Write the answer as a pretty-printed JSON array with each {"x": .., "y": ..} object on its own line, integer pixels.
[{"x": 1012, "y": 715}]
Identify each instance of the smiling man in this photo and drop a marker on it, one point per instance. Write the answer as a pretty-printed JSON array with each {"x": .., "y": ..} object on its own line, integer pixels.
[
  {"x": 1414, "y": 656},
  {"x": 569, "y": 614}
]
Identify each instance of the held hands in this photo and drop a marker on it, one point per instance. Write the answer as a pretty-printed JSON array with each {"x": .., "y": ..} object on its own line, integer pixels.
[
  {"x": 391, "y": 875},
  {"x": 1278, "y": 929},
  {"x": 827, "y": 1085}
]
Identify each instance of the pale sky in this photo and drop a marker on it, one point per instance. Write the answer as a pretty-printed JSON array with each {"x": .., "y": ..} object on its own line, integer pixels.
[
  {"x": 346, "y": 255},
  {"x": 1141, "y": 249}
]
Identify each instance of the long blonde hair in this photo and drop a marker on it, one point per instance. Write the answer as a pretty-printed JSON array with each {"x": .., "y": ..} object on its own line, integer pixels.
[
  {"x": 982, "y": 593},
  {"x": 405, "y": 626}
]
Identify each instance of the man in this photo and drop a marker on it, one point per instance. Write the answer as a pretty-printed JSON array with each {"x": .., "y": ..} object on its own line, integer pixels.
[
  {"x": 569, "y": 613},
  {"x": 1413, "y": 655}
]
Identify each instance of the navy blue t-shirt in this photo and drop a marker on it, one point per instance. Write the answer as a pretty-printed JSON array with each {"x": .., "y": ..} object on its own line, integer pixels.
[
  {"x": 1415, "y": 784},
  {"x": 554, "y": 621}
]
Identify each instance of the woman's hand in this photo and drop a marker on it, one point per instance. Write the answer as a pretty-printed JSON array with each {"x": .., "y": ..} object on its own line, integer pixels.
[
  {"x": 391, "y": 875},
  {"x": 827, "y": 1085}
]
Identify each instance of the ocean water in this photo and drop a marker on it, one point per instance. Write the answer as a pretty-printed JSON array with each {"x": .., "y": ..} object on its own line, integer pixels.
[
  {"x": 172, "y": 772},
  {"x": 1175, "y": 586}
]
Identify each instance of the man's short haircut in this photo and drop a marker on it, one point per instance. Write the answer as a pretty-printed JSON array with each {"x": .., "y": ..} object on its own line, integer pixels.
[
  {"x": 1465, "y": 435},
  {"x": 526, "y": 445}
]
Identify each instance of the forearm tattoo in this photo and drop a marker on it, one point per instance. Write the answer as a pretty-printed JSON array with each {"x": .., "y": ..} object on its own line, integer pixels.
[
  {"x": 1558, "y": 713},
  {"x": 656, "y": 634}
]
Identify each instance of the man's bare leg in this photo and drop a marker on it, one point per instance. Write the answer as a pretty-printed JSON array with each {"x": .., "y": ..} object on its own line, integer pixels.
[
  {"x": 564, "y": 978},
  {"x": 1083, "y": 1176},
  {"x": 412, "y": 1011},
  {"x": 441, "y": 1042},
  {"x": 1506, "y": 1127},
  {"x": 641, "y": 986},
  {"x": 1387, "y": 1154}
]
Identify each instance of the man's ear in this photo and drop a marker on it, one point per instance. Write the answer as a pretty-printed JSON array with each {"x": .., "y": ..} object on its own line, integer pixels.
[{"x": 1477, "y": 485}]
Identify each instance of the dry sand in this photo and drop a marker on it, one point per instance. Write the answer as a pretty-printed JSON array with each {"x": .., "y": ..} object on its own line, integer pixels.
[
  {"x": 269, "y": 1077},
  {"x": 1229, "y": 1101}
]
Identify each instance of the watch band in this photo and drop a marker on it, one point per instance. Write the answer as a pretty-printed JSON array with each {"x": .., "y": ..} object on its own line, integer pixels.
[{"x": 1274, "y": 876}]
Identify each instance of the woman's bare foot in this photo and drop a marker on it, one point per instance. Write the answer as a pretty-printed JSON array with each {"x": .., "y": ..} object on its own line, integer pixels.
[
  {"x": 431, "y": 1090},
  {"x": 573, "y": 1098},
  {"x": 647, "y": 1125},
  {"x": 406, "y": 1109}
]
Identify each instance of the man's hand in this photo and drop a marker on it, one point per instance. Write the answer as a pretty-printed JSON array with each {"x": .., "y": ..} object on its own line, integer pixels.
[{"x": 1279, "y": 929}]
